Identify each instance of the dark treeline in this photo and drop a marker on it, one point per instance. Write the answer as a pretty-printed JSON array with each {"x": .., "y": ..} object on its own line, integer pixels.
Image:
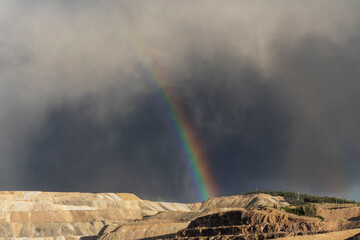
[
  {"x": 308, "y": 210},
  {"x": 295, "y": 198}
]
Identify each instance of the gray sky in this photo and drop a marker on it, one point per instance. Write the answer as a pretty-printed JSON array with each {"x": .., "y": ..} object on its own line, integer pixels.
[{"x": 270, "y": 87}]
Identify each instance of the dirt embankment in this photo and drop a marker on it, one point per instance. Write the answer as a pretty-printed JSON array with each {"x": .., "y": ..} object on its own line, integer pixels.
[
  {"x": 110, "y": 216},
  {"x": 246, "y": 217}
]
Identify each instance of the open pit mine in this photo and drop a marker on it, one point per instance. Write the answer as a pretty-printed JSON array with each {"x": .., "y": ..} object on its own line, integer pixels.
[{"x": 110, "y": 216}]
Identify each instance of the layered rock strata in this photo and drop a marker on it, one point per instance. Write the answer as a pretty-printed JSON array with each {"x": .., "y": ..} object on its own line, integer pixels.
[
  {"x": 251, "y": 225},
  {"x": 110, "y": 216},
  {"x": 68, "y": 216},
  {"x": 244, "y": 218}
]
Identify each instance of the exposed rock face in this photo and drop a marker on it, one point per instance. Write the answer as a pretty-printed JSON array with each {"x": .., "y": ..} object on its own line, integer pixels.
[
  {"x": 252, "y": 224},
  {"x": 245, "y": 217},
  {"x": 167, "y": 224},
  {"x": 110, "y": 216},
  {"x": 244, "y": 201},
  {"x": 45, "y": 215}
]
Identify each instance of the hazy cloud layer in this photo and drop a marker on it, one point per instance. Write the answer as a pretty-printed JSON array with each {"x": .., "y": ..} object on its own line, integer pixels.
[{"x": 271, "y": 89}]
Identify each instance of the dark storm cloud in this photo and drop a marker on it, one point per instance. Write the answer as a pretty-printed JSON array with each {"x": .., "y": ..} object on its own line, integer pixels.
[
  {"x": 326, "y": 79},
  {"x": 133, "y": 154},
  {"x": 271, "y": 89},
  {"x": 238, "y": 125},
  {"x": 242, "y": 118}
]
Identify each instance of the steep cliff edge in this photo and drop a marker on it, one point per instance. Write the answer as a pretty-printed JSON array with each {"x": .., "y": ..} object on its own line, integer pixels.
[
  {"x": 50, "y": 215},
  {"x": 170, "y": 224},
  {"x": 244, "y": 217},
  {"x": 110, "y": 216},
  {"x": 252, "y": 224}
]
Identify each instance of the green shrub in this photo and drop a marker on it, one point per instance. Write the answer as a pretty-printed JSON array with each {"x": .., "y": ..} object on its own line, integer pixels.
[
  {"x": 308, "y": 210},
  {"x": 298, "y": 210}
]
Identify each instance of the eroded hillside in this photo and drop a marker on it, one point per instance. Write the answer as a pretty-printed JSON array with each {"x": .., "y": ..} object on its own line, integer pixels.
[
  {"x": 47, "y": 215},
  {"x": 109, "y": 216}
]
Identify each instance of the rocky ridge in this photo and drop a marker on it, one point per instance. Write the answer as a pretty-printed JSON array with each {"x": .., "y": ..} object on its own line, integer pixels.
[
  {"x": 108, "y": 216},
  {"x": 244, "y": 217},
  {"x": 47, "y": 215}
]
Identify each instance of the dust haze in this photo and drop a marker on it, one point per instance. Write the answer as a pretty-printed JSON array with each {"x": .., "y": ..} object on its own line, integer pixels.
[{"x": 270, "y": 87}]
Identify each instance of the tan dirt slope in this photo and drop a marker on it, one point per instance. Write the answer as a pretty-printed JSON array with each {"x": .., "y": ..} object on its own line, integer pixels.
[
  {"x": 245, "y": 217},
  {"x": 338, "y": 235},
  {"x": 50, "y": 215},
  {"x": 109, "y": 216}
]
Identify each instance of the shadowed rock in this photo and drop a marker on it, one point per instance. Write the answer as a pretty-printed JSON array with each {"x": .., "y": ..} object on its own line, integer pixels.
[{"x": 110, "y": 216}]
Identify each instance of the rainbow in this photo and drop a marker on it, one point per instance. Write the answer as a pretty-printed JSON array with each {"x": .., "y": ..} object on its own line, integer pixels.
[
  {"x": 195, "y": 154},
  {"x": 196, "y": 158}
]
